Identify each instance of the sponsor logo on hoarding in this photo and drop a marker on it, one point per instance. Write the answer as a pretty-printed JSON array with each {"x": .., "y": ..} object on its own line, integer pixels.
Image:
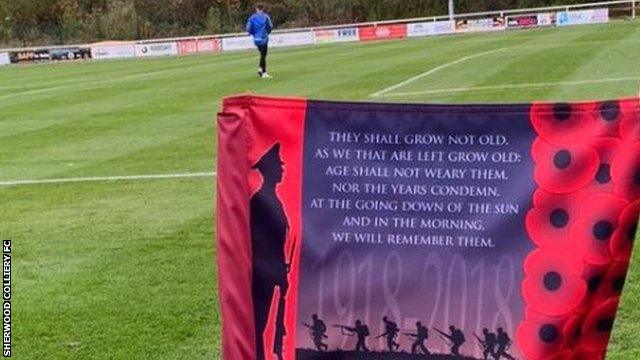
[
  {"x": 237, "y": 43},
  {"x": 348, "y": 33},
  {"x": 593, "y": 16},
  {"x": 199, "y": 45},
  {"x": 381, "y": 32},
  {"x": 325, "y": 36},
  {"x": 291, "y": 39},
  {"x": 546, "y": 19},
  {"x": 120, "y": 51},
  {"x": 30, "y": 56},
  {"x": 476, "y": 25},
  {"x": 4, "y": 58},
  {"x": 431, "y": 28},
  {"x": 188, "y": 46},
  {"x": 523, "y": 21},
  {"x": 156, "y": 49},
  {"x": 209, "y": 45},
  {"x": 336, "y": 35}
]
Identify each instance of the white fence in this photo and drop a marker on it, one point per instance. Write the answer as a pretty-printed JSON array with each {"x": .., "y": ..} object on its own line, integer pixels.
[{"x": 592, "y": 13}]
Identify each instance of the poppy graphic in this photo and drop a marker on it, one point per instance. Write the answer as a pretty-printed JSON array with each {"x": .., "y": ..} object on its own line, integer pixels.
[
  {"x": 629, "y": 128},
  {"x": 623, "y": 238},
  {"x": 613, "y": 282},
  {"x": 598, "y": 325},
  {"x": 563, "y": 169},
  {"x": 563, "y": 123},
  {"x": 593, "y": 231},
  {"x": 607, "y": 149},
  {"x": 551, "y": 217},
  {"x": 572, "y": 330},
  {"x": 553, "y": 285},
  {"x": 609, "y": 115},
  {"x": 625, "y": 172},
  {"x": 594, "y": 275},
  {"x": 540, "y": 336}
]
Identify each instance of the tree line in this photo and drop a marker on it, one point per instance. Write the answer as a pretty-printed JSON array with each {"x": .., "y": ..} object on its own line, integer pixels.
[{"x": 47, "y": 22}]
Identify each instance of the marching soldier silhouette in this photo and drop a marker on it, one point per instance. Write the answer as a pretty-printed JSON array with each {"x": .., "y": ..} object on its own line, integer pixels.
[
  {"x": 421, "y": 335},
  {"x": 504, "y": 342},
  {"x": 360, "y": 330},
  {"x": 488, "y": 344},
  {"x": 391, "y": 331},
  {"x": 455, "y": 338},
  {"x": 318, "y": 331},
  {"x": 269, "y": 227}
]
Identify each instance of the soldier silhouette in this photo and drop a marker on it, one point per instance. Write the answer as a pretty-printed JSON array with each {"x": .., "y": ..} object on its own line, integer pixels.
[
  {"x": 269, "y": 229},
  {"x": 421, "y": 335},
  {"x": 504, "y": 342},
  {"x": 488, "y": 344},
  {"x": 455, "y": 337},
  {"x": 362, "y": 332},
  {"x": 318, "y": 330},
  {"x": 390, "y": 332}
]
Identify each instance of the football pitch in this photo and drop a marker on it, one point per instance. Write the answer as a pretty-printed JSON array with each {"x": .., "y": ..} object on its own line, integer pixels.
[{"x": 118, "y": 260}]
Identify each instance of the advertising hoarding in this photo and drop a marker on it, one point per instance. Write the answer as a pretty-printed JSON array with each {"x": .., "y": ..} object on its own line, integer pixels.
[
  {"x": 4, "y": 59},
  {"x": 156, "y": 49},
  {"x": 431, "y": 28},
  {"x": 581, "y": 17},
  {"x": 292, "y": 39},
  {"x": 480, "y": 25},
  {"x": 237, "y": 43},
  {"x": 193, "y": 46},
  {"x": 336, "y": 35},
  {"x": 113, "y": 51},
  {"x": 382, "y": 32}
]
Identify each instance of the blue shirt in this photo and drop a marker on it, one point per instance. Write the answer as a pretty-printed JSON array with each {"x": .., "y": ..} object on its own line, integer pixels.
[{"x": 259, "y": 26}]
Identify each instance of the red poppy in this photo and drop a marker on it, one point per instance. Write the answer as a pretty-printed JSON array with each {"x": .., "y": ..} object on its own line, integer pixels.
[
  {"x": 594, "y": 275},
  {"x": 625, "y": 172},
  {"x": 553, "y": 285},
  {"x": 563, "y": 169},
  {"x": 609, "y": 115},
  {"x": 572, "y": 330},
  {"x": 562, "y": 123},
  {"x": 598, "y": 324},
  {"x": 613, "y": 282},
  {"x": 549, "y": 221},
  {"x": 594, "y": 229},
  {"x": 630, "y": 123},
  {"x": 623, "y": 238},
  {"x": 607, "y": 149},
  {"x": 540, "y": 336}
]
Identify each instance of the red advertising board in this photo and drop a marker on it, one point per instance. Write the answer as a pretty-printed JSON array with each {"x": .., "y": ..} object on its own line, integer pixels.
[
  {"x": 209, "y": 45},
  {"x": 188, "y": 46},
  {"x": 199, "y": 45},
  {"x": 382, "y": 32}
]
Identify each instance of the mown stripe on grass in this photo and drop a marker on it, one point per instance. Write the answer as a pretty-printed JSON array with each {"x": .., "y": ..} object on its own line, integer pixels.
[{"x": 107, "y": 178}]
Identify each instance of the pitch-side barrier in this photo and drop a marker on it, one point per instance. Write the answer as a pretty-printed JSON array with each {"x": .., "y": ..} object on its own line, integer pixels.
[{"x": 593, "y": 13}]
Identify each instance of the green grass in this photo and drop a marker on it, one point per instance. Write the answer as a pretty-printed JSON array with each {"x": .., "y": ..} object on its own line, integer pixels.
[{"x": 126, "y": 270}]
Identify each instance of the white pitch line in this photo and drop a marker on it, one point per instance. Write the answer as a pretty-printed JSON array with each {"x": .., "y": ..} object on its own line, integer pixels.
[
  {"x": 434, "y": 70},
  {"x": 515, "y": 86},
  {"x": 106, "y": 178}
]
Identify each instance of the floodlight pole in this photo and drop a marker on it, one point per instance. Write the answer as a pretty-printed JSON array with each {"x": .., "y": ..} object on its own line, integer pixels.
[{"x": 451, "y": 10}]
